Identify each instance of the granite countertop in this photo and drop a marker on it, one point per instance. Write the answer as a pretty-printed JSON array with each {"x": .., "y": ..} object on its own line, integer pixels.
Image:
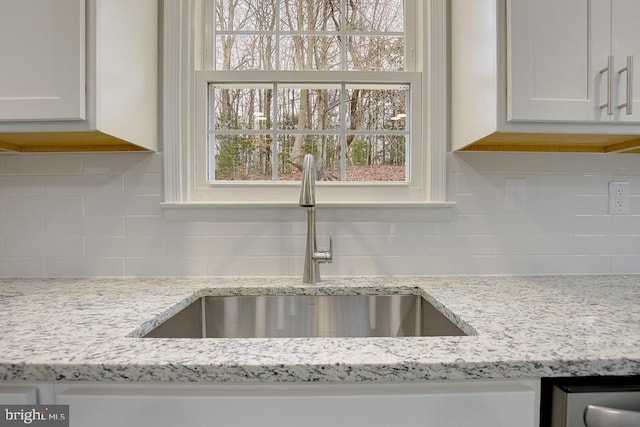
[{"x": 522, "y": 327}]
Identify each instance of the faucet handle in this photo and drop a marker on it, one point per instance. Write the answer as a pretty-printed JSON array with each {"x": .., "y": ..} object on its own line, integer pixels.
[
  {"x": 330, "y": 251},
  {"x": 325, "y": 256}
]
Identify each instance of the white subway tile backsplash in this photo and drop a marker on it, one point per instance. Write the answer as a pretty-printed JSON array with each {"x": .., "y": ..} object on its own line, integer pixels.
[
  {"x": 124, "y": 246},
  {"x": 84, "y": 267},
  {"x": 592, "y": 205},
  {"x": 84, "y": 226},
  {"x": 533, "y": 245},
  {"x": 120, "y": 163},
  {"x": 21, "y": 186},
  {"x": 43, "y": 206},
  {"x": 143, "y": 184},
  {"x": 22, "y": 226},
  {"x": 592, "y": 245},
  {"x": 166, "y": 267},
  {"x": 96, "y": 185},
  {"x": 250, "y": 266},
  {"x": 593, "y": 224},
  {"x": 570, "y": 264},
  {"x": 562, "y": 204},
  {"x": 121, "y": 205},
  {"x": 625, "y": 264},
  {"x": 45, "y": 247},
  {"x": 625, "y": 245},
  {"x": 495, "y": 264},
  {"x": 625, "y": 224},
  {"x": 563, "y": 184},
  {"x": 178, "y": 229},
  {"x": 143, "y": 225},
  {"x": 253, "y": 229},
  {"x": 98, "y": 215},
  {"x": 22, "y": 267},
  {"x": 43, "y": 164}
]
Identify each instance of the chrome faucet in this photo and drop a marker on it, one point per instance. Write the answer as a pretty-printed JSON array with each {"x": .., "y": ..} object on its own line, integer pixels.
[{"x": 312, "y": 258}]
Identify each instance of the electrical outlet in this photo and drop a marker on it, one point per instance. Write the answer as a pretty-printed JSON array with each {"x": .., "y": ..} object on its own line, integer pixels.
[
  {"x": 515, "y": 194},
  {"x": 618, "y": 198}
]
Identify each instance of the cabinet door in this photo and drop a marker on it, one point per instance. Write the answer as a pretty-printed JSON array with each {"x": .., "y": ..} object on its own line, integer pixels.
[
  {"x": 555, "y": 51},
  {"x": 626, "y": 43},
  {"x": 18, "y": 395},
  {"x": 42, "y": 44},
  {"x": 310, "y": 406}
]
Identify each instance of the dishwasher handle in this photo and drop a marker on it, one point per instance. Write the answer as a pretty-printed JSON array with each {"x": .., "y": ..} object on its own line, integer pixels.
[{"x": 602, "y": 416}]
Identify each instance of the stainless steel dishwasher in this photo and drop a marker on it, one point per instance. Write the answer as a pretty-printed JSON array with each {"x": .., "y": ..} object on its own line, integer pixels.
[{"x": 594, "y": 402}]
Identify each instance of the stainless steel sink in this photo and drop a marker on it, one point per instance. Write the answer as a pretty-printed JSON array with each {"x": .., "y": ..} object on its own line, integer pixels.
[{"x": 306, "y": 316}]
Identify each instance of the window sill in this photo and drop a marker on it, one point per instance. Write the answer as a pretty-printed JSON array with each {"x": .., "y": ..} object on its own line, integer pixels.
[{"x": 326, "y": 211}]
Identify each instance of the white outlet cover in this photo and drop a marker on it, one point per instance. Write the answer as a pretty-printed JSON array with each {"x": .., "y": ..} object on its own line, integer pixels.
[
  {"x": 619, "y": 198},
  {"x": 515, "y": 194}
]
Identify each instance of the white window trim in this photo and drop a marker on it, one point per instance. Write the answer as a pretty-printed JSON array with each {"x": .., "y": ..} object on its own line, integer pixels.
[{"x": 183, "y": 24}]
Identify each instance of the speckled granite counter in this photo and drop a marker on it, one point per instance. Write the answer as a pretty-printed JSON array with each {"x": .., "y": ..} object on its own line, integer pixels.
[{"x": 85, "y": 329}]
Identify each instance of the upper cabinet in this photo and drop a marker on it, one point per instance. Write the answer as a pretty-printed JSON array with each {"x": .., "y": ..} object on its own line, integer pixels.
[
  {"x": 42, "y": 45},
  {"x": 545, "y": 75},
  {"x": 567, "y": 60},
  {"x": 78, "y": 75}
]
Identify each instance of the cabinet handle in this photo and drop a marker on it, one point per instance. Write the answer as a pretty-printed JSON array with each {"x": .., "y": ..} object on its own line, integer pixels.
[
  {"x": 629, "y": 70},
  {"x": 602, "y": 416},
  {"x": 607, "y": 70}
]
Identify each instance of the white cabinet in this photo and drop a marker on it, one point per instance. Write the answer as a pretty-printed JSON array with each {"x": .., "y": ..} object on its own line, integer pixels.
[
  {"x": 78, "y": 75},
  {"x": 42, "y": 45},
  {"x": 18, "y": 395},
  {"x": 625, "y": 45},
  {"x": 526, "y": 75},
  {"x": 559, "y": 54},
  {"x": 26, "y": 393},
  {"x": 433, "y": 404}
]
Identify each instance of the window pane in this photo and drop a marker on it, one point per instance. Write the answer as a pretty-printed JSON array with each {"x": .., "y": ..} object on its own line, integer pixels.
[
  {"x": 376, "y": 158},
  {"x": 375, "y": 15},
  {"x": 310, "y": 34},
  {"x": 375, "y": 53},
  {"x": 242, "y": 157},
  {"x": 245, "y": 15},
  {"x": 244, "y": 107},
  {"x": 325, "y": 148},
  {"x": 309, "y": 52},
  {"x": 315, "y": 108},
  {"x": 245, "y": 52},
  {"x": 374, "y": 108},
  {"x": 302, "y": 15}
]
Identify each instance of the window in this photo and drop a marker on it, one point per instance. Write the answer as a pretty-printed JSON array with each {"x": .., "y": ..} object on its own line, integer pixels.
[
  {"x": 260, "y": 131},
  {"x": 257, "y": 84}
]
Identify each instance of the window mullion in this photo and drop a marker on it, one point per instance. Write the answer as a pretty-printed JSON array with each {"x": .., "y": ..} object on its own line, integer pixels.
[
  {"x": 277, "y": 39},
  {"x": 275, "y": 143},
  {"x": 343, "y": 33},
  {"x": 343, "y": 132}
]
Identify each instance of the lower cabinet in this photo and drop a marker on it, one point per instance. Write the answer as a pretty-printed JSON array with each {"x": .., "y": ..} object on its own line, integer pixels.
[
  {"x": 428, "y": 404},
  {"x": 23, "y": 393},
  {"x": 18, "y": 395}
]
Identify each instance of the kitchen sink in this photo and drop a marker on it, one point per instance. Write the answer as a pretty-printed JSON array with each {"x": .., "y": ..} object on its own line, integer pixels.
[{"x": 288, "y": 316}]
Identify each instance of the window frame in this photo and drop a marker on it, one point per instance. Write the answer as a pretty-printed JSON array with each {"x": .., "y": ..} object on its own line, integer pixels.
[
  {"x": 184, "y": 78},
  {"x": 283, "y": 191}
]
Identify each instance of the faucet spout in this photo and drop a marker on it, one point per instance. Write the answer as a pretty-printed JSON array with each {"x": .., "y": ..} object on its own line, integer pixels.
[
  {"x": 308, "y": 191},
  {"x": 312, "y": 257}
]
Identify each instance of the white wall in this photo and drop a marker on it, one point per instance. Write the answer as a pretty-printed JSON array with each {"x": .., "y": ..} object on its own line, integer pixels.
[{"x": 98, "y": 215}]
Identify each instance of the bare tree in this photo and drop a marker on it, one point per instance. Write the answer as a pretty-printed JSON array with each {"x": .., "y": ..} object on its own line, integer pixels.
[{"x": 311, "y": 35}]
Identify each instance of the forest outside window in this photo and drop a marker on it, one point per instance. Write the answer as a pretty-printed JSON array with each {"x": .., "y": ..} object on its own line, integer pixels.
[{"x": 259, "y": 132}]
